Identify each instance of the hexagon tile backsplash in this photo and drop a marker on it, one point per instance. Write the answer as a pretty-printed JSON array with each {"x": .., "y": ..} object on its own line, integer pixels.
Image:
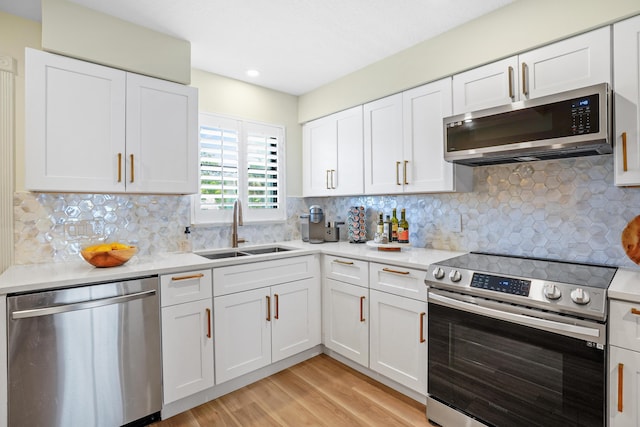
[{"x": 560, "y": 209}]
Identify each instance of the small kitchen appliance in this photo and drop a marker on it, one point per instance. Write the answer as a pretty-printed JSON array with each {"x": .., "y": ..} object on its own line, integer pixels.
[
  {"x": 517, "y": 341},
  {"x": 316, "y": 224}
]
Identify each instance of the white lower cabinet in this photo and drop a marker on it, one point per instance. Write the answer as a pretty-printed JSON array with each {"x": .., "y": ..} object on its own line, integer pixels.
[
  {"x": 398, "y": 341},
  {"x": 187, "y": 336},
  {"x": 346, "y": 323},
  {"x": 257, "y": 327},
  {"x": 624, "y": 383}
]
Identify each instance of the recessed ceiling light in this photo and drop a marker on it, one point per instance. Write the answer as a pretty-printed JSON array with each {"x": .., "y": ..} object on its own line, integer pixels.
[{"x": 253, "y": 73}]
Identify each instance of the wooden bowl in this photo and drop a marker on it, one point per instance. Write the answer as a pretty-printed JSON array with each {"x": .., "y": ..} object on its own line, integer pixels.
[{"x": 110, "y": 258}]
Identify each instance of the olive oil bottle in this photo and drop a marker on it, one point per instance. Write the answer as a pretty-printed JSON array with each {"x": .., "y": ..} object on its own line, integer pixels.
[{"x": 394, "y": 227}]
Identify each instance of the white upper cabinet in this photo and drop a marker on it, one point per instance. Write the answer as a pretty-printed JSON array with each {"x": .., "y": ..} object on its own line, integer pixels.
[
  {"x": 332, "y": 153},
  {"x": 573, "y": 63},
  {"x": 626, "y": 56},
  {"x": 91, "y": 128},
  {"x": 404, "y": 147}
]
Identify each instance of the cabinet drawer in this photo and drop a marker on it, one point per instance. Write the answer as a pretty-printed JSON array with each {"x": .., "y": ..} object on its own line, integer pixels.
[
  {"x": 244, "y": 277},
  {"x": 186, "y": 286},
  {"x": 624, "y": 326},
  {"x": 346, "y": 270},
  {"x": 401, "y": 281}
]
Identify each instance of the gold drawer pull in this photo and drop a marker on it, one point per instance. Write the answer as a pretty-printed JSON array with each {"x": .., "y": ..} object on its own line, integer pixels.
[
  {"x": 398, "y": 173},
  {"x": 208, "y": 323},
  {"x": 119, "y": 167},
  {"x": 404, "y": 173},
  {"x": 635, "y": 311},
  {"x": 132, "y": 168},
  {"x": 390, "y": 270},
  {"x": 362, "y": 319},
  {"x": 277, "y": 315},
  {"x": 422, "y": 338},
  {"x": 525, "y": 89},
  {"x": 343, "y": 262},
  {"x": 624, "y": 152},
  {"x": 511, "y": 95},
  {"x": 194, "y": 276},
  {"x": 268, "y": 308},
  {"x": 620, "y": 377}
]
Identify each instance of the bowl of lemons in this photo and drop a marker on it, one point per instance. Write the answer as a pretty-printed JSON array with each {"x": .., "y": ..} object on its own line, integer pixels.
[{"x": 108, "y": 254}]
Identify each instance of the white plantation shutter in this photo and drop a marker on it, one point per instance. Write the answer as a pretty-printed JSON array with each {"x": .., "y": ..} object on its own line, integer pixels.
[{"x": 239, "y": 160}]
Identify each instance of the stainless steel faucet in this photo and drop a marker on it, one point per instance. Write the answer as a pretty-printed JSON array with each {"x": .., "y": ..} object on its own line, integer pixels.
[{"x": 237, "y": 220}]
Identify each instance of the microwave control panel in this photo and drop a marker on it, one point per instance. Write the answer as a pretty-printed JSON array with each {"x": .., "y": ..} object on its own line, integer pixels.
[{"x": 581, "y": 115}]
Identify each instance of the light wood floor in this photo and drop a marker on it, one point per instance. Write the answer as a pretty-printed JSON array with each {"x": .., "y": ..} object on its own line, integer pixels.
[{"x": 318, "y": 392}]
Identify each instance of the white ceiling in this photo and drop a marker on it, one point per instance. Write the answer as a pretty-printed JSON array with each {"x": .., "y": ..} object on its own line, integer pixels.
[{"x": 297, "y": 45}]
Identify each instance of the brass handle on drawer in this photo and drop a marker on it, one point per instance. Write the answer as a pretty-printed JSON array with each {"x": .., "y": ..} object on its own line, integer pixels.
[
  {"x": 362, "y": 319},
  {"x": 208, "y": 323},
  {"x": 511, "y": 95},
  {"x": 119, "y": 167},
  {"x": 390, "y": 270},
  {"x": 624, "y": 151},
  {"x": 277, "y": 315},
  {"x": 193, "y": 276},
  {"x": 635, "y": 311},
  {"x": 268, "y": 308},
  {"x": 620, "y": 377},
  {"x": 405, "y": 172},
  {"x": 525, "y": 90},
  {"x": 132, "y": 168},
  {"x": 398, "y": 173},
  {"x": 343, "y": 262},
  {"x": 422, "y": 338}
]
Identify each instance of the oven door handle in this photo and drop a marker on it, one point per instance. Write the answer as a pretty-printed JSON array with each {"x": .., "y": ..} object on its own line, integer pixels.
[{"x": 521, "y": 319}]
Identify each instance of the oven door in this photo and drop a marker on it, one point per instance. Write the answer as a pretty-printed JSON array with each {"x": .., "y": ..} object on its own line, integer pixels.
[{"x": 512, "y": 369}]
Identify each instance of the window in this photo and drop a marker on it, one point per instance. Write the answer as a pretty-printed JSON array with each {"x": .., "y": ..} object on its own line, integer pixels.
[{"x": 240, "y": 160}]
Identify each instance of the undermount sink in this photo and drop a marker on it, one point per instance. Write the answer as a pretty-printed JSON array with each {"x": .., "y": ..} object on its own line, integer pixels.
[
  {"x": 267, "y": 250},
  {"x": 245, "y": 252},
  {"x": 222, "y": 255}
]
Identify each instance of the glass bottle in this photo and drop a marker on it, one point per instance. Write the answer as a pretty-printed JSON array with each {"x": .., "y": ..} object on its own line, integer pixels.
[
  {"x": 380, "y": 227},
  {"x": 387, "y": 228},
  {"x": 403, "y": 228},
  {"x": 394, "y": 227}
]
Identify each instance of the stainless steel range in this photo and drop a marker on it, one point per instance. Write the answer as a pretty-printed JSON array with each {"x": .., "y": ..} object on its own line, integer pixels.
[{"x": 517, "y": 342}]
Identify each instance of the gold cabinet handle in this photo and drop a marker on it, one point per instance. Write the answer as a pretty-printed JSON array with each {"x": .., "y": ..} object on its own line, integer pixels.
[
  {"x": 525, "y": 89},
  {"x": 422, "y": 338},
  {"x": 390, "y": 270},
  {"x": 333, "y": 184},
  {"x": 624, "y": 151},
  {"x": 119, "y": 167},
  {"x": 362, "y": 319},
  {"x": 268, "y": 308},
  {"x": 132, "y": 168},
  {"x": 327, "y": 179},
  {"x": 398, "y": 173},
  {"x": 635, "y": 311},
  {"x": 208, "y": 323},
  {"x": 343, "y": 262},
  {"x": 193, "y": 276},
  {"x": 511, "y": 94},
  {"x": 277, "y": 314},
  {"x": 620, "y": 379},
  {"x": 405, "y": 172}
]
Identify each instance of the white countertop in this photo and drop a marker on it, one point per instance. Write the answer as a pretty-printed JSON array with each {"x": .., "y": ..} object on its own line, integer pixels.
[
  {"x": 33, "y": 277},
  {"x": 625, "y": 285}
]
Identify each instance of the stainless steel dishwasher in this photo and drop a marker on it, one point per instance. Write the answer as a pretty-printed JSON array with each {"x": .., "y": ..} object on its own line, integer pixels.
[{"x": 85, "y": 356}]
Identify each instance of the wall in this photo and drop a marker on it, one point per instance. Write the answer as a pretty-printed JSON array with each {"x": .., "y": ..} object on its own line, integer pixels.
[{"x": 517, "y": 27}]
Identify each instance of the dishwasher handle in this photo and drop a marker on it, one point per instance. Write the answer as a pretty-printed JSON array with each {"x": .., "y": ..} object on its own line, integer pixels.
[{"x": 84, "y": 305}]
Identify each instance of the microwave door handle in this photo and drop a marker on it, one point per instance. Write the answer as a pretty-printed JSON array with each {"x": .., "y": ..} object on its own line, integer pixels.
[{"x": 521, "y": 319}]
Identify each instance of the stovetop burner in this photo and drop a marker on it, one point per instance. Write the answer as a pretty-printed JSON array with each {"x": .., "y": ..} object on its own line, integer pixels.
[{"x": 557, "y": 286}]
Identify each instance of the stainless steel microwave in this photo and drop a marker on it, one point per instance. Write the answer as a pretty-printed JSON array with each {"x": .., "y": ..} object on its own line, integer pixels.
[{"x": 568, "y": 124}]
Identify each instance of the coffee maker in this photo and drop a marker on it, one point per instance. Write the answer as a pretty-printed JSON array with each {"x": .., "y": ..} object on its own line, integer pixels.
[{"x": 316, "y": 224}]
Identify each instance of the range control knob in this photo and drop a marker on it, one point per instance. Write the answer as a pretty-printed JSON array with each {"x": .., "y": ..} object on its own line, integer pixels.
[
  {"x": 551, "y": 291},
  {"x": 580, "y": 296},
  {"x": 455, "y": 276},
  {"x": 438, "y": 273}
]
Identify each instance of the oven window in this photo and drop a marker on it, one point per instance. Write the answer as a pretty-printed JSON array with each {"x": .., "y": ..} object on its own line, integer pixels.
[{"x": 507, "y": 375}]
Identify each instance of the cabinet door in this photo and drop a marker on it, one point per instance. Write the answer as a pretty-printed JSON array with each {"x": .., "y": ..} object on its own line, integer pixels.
[
  {"x": 626, "y": 56},
  {"x": 383, "y": 157},
  {"x": 488, "y": 86},
  {"x": 573, "y": 63},
  {"x": 348, "y": 179},
  {"x": 398, "y": 339},
  {"x": 295, "y": 318},
  {"x": 424, "y": 167},
  {"x": 320, "y": 152},
  {"x": 187, "y": 349},
  {"x": 242, "y": 332},
  {"x": 162, "y": 136},
  {"x": 624, "y": 375},
  {"x": 75, "y": 125},
  {"x": 346, "y": 323}
]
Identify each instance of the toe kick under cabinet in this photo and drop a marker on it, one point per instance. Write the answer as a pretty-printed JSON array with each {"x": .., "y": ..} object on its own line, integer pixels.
[{"x": 264, "y": 312}]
